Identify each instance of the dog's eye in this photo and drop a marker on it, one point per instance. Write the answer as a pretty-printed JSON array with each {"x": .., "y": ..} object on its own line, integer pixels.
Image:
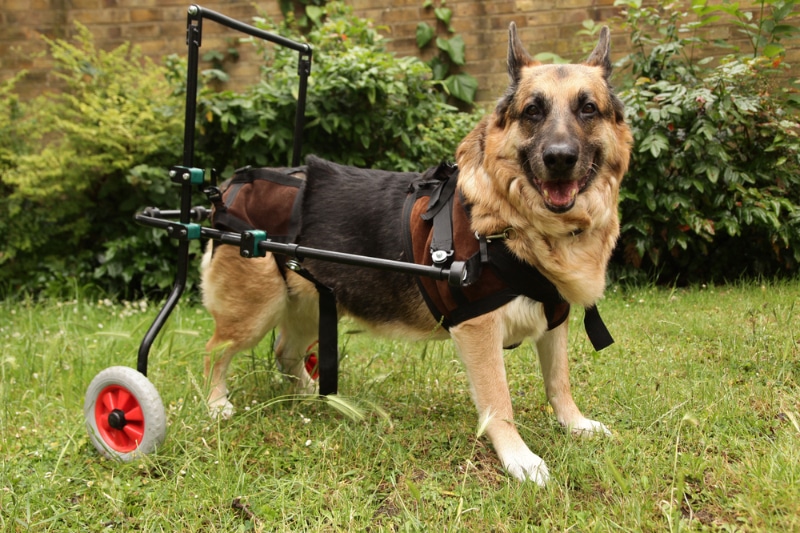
[
  {"x": 532, "y": 111},
  {"x": 589, "y": 109}
]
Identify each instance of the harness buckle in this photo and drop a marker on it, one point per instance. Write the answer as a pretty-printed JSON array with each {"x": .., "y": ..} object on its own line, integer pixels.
[{"x": 508, "y": 233}]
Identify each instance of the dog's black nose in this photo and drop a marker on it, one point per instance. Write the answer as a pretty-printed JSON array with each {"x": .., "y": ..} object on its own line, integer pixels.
[{"x": 560, "y": 157}]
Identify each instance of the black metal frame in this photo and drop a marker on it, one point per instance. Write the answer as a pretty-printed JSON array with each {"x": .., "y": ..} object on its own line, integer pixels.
[{"x": 255, "y": 243}]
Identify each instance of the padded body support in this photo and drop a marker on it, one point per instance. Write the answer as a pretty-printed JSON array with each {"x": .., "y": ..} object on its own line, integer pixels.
[{"x": 268, "y": 199}]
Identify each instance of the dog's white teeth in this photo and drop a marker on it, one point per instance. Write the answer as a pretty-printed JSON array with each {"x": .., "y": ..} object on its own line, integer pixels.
[
  {"x": 573, "y": 193},
  {"x": 546, "y": 194}
]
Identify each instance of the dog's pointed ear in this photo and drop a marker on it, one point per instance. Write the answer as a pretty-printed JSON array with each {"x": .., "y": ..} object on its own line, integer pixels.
[
  {"x": 601, "y": 55},
  {"x": 518, "y": 57}
]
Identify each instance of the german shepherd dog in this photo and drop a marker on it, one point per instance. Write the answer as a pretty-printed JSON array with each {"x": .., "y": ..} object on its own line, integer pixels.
[{"x": 548, "y": 162}]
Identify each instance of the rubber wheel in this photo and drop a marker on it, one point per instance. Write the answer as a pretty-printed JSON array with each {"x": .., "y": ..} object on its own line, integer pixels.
[
  {"x": 311, "y": 363},
  {"x": 124, "y": 414}
]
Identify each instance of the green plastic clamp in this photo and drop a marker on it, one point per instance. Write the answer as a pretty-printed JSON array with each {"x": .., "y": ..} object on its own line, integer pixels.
[
  {"x": 197, "y": 176},
  {"x": 248, "y": 246},
  {"x": 184, "y": 232},
  {"x": 192, "y": 231}
]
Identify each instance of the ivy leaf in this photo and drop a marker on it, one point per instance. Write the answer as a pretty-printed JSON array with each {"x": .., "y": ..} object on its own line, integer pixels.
[
  {"x": 315, "y": 14},
  {"x": 444, "y": 14},
  {"x": 439, "y": 68},
  {"x": 424, "y": 34},
  {"x": 454, "y": 48},
  {"x": 461, "y": 86}
]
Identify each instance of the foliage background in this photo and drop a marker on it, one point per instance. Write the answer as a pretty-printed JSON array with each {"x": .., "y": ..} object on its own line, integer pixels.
[{"x": 713, "y": 192}]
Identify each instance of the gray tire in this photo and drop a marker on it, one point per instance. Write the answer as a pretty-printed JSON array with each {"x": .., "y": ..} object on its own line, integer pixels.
[{"x": 124, "y": 414}]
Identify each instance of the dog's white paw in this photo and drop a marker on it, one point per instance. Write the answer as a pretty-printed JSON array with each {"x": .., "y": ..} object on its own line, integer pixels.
[
  {"x": 527, "y": 467},
  {"x": 588, "y": 428},
  {"x": 221, "y": 408}
]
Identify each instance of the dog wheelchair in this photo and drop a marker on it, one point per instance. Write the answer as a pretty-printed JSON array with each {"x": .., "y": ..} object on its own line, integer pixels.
[{"x": 124, "y": 414}]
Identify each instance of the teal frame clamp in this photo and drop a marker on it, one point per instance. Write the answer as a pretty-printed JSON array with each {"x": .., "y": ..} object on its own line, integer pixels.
[
  {"x": 195, "y": 176},
  {"x": 184, "y": 232},
  {"x": 248, "y": 246}
]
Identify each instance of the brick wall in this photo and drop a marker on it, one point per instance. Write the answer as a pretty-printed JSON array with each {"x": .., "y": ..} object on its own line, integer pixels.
[{"x": 158, "y": 27}]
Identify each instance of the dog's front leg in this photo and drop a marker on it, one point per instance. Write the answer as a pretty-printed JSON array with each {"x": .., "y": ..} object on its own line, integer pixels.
[
  {"x": 480, "y": 344},
  {"x": 553, "y": 358}
]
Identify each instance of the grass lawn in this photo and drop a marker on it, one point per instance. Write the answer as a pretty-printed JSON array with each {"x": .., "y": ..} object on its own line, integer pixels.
[{"x": 701, "y": 392}]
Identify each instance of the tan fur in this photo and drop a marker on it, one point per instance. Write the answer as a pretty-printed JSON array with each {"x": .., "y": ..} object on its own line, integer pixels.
[
  {"x": 571, "y": 248},
  {"x": 575, "y": 264}
]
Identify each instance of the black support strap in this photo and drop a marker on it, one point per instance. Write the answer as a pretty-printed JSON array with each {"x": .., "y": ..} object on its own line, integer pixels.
[
  {"x": 440, "y": 210},
  {"x": 328, "y": 334},
  {"x": 328, "y": 359},
  {"x": 596, "y": 329}
]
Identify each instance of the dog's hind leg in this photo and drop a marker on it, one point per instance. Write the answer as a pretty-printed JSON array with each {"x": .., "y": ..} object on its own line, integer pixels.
[
  {"x": 247, "y": 298},
  {"x": 480, "y": 344},
  {"x": 298, "y": 330},
  {"x": 553, "y": 358}
]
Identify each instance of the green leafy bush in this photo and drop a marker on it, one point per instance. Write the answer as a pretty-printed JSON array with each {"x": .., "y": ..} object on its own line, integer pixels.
[
  {"x": 77, "y": 164},
  {"x": 86, "y": 159},
  {"x": 713, "y": 191},
  {"x": 365, "y": 107}
]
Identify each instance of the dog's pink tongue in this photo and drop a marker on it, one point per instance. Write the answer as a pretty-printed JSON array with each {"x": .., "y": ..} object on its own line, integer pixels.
[{"x": 560, "y": 193}]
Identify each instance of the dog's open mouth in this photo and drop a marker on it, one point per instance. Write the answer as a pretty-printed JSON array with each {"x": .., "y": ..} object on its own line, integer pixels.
[{"x": 559, "y": 195}]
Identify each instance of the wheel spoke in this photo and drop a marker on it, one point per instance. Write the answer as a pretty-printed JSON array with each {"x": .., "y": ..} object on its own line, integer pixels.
[
  {"x": 134, "y": 432},
  {"x": 107, "y": 400},
  {"x": 124, "y": 398},
  {"x": 134, "y": 415}
]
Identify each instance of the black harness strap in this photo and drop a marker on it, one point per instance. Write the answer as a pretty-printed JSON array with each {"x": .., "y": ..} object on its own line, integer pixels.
[
  {"x": 328, "y": 360},
  {"x": 328, "y": 334},
  {"x": 596, "y": 329},
  {"x": 440, "y": 210},
  {"x": 425, "y": 186}
]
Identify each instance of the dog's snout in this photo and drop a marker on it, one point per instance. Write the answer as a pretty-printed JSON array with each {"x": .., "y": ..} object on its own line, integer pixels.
[{"x": 561, "y": 157}]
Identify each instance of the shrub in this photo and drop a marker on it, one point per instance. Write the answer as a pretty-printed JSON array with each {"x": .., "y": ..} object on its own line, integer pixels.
[
  {"x": 365, "y": 107},
  {"x": 77, "y": 164},
  {"x": 94, "y": 153},
  {"x": 713, "y": 191}
]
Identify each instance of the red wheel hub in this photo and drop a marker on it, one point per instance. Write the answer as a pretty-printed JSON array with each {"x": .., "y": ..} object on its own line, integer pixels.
[
  {"x": 119, "y": 418},
  {"x": 312, "y": 364}
]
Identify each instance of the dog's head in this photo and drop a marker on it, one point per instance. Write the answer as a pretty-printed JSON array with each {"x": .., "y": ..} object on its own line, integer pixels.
[
  {"x": 558, "y": 127},
  {"x": 562, "y": 114}
]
